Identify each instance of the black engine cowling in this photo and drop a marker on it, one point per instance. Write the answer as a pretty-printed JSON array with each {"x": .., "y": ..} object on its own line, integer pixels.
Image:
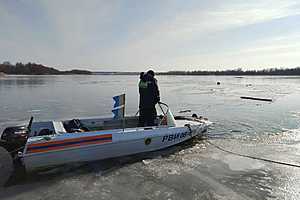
[{"x": 14, "y": 137}]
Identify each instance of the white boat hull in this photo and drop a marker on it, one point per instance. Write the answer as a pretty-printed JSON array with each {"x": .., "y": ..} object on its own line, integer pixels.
[{"x": 58, "y": 149}]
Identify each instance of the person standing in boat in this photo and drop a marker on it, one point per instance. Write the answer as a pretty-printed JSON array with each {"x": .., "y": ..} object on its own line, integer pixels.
[{"x": 149, "y": 97}]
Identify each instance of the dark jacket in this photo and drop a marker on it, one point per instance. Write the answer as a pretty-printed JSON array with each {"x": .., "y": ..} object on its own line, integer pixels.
[{"x": 149, "y": 93}]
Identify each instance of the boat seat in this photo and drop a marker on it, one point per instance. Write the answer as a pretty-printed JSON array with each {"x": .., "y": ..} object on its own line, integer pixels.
[{"x": 59, "y": 127}]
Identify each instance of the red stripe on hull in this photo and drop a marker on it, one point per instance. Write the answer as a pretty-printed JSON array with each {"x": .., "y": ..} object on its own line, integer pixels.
[
  {"x": 67, "y": 146},
  {"x": 71, "y": 140}
]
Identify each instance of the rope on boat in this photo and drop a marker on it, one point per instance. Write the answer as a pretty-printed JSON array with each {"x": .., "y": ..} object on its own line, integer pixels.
[{"x": 253, "y": 157}]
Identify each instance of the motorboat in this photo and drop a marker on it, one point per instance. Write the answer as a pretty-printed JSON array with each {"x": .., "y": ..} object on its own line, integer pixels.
[{"x": 43, "y": 144}]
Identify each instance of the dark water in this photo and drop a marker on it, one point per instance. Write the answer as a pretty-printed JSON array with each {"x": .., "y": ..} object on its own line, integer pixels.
[{"x": 194, "y": 170}]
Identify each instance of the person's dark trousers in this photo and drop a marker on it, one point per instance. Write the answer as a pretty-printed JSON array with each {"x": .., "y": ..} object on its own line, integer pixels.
[
  {"x": 147, "y": 116},
  {"x": 142, "y": 117}
]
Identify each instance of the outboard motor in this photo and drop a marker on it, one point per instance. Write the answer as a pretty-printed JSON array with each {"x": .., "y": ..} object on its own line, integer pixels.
[
  {"x": 13, "y": 134},
  {"x": 14, "y": 137},
  {"x": 13, "y": 140}
]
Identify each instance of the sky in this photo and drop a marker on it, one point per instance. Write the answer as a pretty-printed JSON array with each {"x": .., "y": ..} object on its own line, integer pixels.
[{"x": 135, "y": 35}]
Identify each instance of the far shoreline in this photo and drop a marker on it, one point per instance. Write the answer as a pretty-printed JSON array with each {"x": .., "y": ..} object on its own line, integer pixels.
[
  {"x": 170, "y": 74},
  {"x": 38, "y": 69},
  {"x": 157, "y": 74}
]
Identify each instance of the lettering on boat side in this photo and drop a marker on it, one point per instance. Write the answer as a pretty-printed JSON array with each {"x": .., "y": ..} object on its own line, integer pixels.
[{"x": 173, "y": 137}]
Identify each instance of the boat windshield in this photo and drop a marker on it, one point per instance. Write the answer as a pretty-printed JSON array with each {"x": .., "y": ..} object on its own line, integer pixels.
[{"x": 46, "y": 128}]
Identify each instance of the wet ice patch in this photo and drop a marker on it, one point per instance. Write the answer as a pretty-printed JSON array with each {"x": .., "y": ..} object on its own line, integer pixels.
[
  {"x": 289, "y": 136},
  {"x": 237, "y": 163},
  {"x": 295, "y": 133},
  {"x": 295, "y": 114},
  {"x": 163, "y": 167}
]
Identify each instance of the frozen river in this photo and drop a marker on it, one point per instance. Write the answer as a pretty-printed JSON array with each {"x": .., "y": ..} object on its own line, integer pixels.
[{"x": 194, "y": 170}]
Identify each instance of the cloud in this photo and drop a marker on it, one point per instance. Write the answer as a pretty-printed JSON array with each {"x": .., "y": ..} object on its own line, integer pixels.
[
  {"x": 132, "y": 35},
  {"x": 282, "y": 51},
  {"x": 158, "y": 43}
]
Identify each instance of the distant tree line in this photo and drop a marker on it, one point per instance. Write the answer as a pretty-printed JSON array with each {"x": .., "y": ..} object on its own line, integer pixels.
[
  {"x": 39, "y": 69},
  {"x": 240, "y": 72},
  {"x": 35, "y": 69}
]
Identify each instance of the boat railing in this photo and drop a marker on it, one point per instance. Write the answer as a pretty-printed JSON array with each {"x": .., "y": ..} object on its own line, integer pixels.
[
  {"x": 160, "y": 106},
  {"x": 165, "y": 113}
]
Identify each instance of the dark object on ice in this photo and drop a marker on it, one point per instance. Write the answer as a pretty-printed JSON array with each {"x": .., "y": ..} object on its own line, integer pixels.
[
  {"x": 258, "y": 99},
  {"x": 184, "y": 111},
  {"x": 218, "y": 83},
  {"x": 195, "y": 115}
]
